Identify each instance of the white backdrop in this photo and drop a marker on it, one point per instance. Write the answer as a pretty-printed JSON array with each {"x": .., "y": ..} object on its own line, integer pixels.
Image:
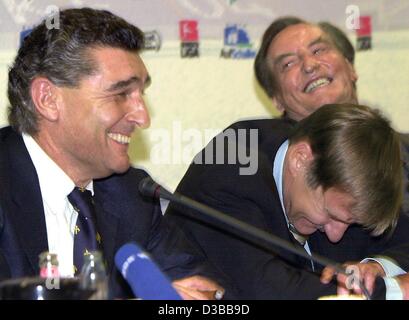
[{"x": 212, "y": 15}]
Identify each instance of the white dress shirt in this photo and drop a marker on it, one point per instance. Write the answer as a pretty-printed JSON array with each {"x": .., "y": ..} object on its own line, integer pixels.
[{"x": 60, "y": 216}]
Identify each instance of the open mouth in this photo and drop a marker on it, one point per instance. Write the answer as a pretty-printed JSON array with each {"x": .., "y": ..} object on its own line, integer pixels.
[
  {"x": 120, "y": 138},
  {"x": 317, "y": 83}
]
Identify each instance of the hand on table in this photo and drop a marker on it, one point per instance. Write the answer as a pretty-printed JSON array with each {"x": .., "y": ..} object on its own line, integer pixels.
[
  {"x": 347, "y": 284},
  {"x": 198, "y": 288},
  {"x": 403, "y": 281}
]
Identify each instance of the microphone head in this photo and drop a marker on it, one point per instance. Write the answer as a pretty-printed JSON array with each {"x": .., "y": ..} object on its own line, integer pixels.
[
  {"x": 143, "y": 275},
  {"x": 148, "y": 187}
]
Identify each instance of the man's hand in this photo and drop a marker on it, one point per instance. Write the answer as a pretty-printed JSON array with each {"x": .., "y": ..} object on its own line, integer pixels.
[
  {"x": 364, "y": 272},
  {"x": 198, "y": 288}
]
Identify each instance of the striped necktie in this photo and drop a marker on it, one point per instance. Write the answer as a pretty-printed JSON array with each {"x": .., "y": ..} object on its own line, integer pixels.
[{"x": 297, "y": 236}]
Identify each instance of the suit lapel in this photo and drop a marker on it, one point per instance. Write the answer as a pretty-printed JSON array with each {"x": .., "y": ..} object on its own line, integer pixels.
[
  {"x": 107, "y": 223},
  {"x": 26, "y": 207}
]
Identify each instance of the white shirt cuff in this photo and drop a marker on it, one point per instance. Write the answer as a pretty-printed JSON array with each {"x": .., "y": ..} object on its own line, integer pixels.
[
  {"x": 391, "y": 269},
  {"x": 393, "y": 290}
]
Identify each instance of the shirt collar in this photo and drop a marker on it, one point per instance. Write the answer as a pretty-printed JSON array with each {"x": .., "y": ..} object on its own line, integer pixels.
[
  {"x": 278, "y": 168},
  {"x": 55, "y": 184}
]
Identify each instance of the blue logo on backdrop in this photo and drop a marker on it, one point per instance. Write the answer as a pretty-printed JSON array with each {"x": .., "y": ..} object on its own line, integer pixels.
[{"x": 237, "y": 43}]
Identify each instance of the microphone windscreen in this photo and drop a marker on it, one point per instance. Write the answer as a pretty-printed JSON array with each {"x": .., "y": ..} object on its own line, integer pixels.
[
  {"x": 148, "y": 187},
  {"x": 143, "y": 275}
]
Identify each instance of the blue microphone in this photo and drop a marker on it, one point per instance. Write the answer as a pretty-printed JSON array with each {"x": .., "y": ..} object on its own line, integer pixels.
[{"x": 143, "y": 275}]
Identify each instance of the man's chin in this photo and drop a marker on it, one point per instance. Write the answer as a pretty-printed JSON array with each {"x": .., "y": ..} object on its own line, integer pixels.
[
  {"x": 327, "y": 96},
  {"x": 119, "y": 168},
  {"x": 306, "y": 231},
  {"x": 331, "y": 97},
  {"x": 122, "y": 169}
]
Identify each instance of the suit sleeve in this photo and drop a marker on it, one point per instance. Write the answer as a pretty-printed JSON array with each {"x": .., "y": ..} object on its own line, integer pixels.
[
  {"x": 397, "y": 246},
  {"x": 177, "y": 255},
  {"x": 170, "y": 248}
]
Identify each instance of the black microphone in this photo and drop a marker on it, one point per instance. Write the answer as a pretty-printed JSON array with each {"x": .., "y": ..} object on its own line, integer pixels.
[{"x": 148, "y": 187}]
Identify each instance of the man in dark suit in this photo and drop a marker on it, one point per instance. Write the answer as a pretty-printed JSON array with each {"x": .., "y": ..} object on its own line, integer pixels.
[
  {"x": 301, "y": 66},
  {"x": 76, "y": 95}
]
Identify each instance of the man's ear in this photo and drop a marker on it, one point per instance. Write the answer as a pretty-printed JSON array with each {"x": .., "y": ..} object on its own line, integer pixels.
[
  {"x": 299, "y": 157},
  {"x": 45, "y": 98}
]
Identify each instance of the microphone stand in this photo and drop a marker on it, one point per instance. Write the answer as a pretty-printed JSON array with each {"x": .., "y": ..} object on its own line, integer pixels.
[{"x": 150, "y": 188}]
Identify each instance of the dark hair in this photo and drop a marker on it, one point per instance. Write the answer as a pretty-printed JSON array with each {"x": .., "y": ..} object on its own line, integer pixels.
[
  {"x": 340, "y": 40},
  {"x": 61, "y": 55},
  {"x": 264, "y": 74},
  {"x": 356, "y": 150}
]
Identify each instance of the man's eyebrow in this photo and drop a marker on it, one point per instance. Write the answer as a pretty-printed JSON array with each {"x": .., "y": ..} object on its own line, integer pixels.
[
  {"x": 320, "y": 39},
  {"x": 343, "y": 218},
  {"x": 281, "y": 57},
  {"x": 126, "y": 83}
]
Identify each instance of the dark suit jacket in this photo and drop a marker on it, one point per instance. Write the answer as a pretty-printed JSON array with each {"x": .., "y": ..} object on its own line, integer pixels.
[
  {"x": 122, "y": 216},
  {"x": 260, "y": 273}
]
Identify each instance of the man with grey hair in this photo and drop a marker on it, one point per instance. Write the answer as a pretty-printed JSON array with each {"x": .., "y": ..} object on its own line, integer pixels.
[{"x": 76, "y": 95}]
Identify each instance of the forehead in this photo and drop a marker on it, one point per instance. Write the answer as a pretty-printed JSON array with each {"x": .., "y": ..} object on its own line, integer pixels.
[
  {"x": 294, "y": 37},
  {"x": 113, "y": 64}
]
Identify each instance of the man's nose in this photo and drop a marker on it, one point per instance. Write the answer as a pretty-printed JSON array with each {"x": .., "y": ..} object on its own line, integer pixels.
[
  {"x": 335, "y": 230},
  {"x": 138, "y": 113},
  {"x": 310, "y": 64}
]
